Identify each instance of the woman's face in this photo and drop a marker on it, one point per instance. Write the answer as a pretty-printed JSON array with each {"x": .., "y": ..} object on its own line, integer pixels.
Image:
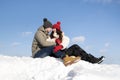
[
  {"x": 55, "y": 34},
  {"x": 54, "y": 30}
]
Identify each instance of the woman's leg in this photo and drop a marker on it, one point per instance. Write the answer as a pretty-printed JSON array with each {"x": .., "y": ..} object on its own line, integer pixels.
[
  {"x": 59, "y": 54},
  {"x": 76, "y": 50}
]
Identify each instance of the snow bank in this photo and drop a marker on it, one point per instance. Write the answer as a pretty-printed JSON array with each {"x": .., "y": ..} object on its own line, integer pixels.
[{"x": 26, "y": 68}]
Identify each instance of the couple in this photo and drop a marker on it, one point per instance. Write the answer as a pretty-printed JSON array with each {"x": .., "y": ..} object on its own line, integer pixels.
[{"x": 56, "y": 43}]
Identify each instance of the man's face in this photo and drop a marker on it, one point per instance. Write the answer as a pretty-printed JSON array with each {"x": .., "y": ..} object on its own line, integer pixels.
[{"x": 48, "y": 29}]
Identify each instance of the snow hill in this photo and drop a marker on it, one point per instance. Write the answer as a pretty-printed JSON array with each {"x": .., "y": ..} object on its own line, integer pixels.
[{"x": 49, "y": 68}]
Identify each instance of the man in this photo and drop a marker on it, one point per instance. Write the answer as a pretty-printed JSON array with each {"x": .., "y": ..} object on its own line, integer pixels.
[{"x": 42, "y": 34}]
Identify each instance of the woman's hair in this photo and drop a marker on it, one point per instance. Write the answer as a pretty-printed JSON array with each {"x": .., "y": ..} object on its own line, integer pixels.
[{"x": 59, "y": 32}]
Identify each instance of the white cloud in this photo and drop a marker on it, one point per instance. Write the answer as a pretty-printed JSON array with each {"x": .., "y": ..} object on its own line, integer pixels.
[
  {"x": 26, "y": 33},
  {"x": 14, "y": 44},
  {"x": 78, "y": 39},
  {"x": 107, "y": 44},
  {"x": 105, "y": 49},
  {"x": 88, "y": 47}
]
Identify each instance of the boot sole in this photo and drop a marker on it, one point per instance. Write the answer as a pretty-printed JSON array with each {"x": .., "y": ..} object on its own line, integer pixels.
[{"x": 101, "y": 60}]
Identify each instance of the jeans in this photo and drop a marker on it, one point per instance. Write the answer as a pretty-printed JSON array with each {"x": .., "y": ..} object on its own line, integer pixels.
[{"x": 47, "y": 52}]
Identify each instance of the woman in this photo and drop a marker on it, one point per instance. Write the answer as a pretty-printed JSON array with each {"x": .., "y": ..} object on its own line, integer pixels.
[
  {"x": 62, "y": 42},
  {"x": 74, "y": 50}
]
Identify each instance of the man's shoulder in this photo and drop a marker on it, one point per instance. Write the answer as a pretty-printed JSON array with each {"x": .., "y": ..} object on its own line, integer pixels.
[{"x": 40, "y": 28}]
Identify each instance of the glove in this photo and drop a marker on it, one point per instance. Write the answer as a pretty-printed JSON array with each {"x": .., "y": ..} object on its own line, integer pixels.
[
  {"x": 57, "y": 48},
  {"x": 58, "y": 41}
]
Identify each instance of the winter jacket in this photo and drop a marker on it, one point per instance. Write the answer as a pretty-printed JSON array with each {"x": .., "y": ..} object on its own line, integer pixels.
[
  {"x": 61, "y": 45},
  {"x": 40, "y": 41},
  {"x": 65, "y": 42}
]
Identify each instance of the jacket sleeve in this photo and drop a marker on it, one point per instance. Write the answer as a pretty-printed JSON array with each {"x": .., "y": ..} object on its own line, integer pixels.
[
  {"x": 50, "y": 40},
  {"x": 41, "y": 38}
]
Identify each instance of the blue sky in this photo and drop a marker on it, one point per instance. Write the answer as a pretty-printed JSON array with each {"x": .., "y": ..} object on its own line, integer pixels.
[{"x": 92, "y": 24}]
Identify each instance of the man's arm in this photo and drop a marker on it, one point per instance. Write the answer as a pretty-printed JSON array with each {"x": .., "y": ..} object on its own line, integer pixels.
[{"x": 40, "y": 37}]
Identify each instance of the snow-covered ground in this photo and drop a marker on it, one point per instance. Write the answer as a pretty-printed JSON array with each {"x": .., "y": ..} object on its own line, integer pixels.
[{"x": 26, "y": 68}]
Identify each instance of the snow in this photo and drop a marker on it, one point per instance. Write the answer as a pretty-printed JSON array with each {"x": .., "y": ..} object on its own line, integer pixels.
[{"x": 49, "y": 68}]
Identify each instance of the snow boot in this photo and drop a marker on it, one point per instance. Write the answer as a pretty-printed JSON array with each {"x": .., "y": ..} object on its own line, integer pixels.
[
  {"x": 100, "y": 59},
  {"x": 68, "y": 60},
  {"x": 93, "y": 59}
]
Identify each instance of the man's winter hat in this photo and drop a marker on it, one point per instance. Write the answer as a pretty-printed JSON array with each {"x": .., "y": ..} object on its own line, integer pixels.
[
  {"x": 57, "y": 26},
  {"x": 47, "y": 24}
]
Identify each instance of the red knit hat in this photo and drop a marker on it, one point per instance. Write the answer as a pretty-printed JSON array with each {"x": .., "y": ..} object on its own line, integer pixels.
[{"x": 57, "y": 26}]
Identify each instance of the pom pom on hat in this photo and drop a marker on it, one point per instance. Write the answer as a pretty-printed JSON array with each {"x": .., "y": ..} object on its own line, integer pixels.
[
  {"x": 45, "y": 19},
  {"x": 58, "y": 22},
  {"x": 46, "y": 23},
  {"x": 57, "y": 26}
]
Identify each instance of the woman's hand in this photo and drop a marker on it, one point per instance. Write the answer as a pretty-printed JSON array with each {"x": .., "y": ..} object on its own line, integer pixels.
[
  {"x": 57, "y": 48},
  {"x": 58, "y": 41}
]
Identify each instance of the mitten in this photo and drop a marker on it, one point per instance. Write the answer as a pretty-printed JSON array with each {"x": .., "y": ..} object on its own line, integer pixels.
[
  {"x": 57, "y": 48},
  {"x": 58, "y": 41}
]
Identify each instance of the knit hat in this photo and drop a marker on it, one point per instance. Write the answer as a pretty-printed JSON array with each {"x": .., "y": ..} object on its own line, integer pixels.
[
  {"x": 57, "y": 26},
  {"x": 47, "y": 24}
]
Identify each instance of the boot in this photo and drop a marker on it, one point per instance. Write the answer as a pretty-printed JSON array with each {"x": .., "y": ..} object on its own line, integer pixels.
[
  {"x": 93, "y": 59},
  {"x": 100, "y": 59},
  {"x": 68, "y": 60}
]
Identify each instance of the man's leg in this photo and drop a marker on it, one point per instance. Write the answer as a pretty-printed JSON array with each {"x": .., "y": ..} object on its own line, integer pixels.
[{"x": 44, "y": 52}]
